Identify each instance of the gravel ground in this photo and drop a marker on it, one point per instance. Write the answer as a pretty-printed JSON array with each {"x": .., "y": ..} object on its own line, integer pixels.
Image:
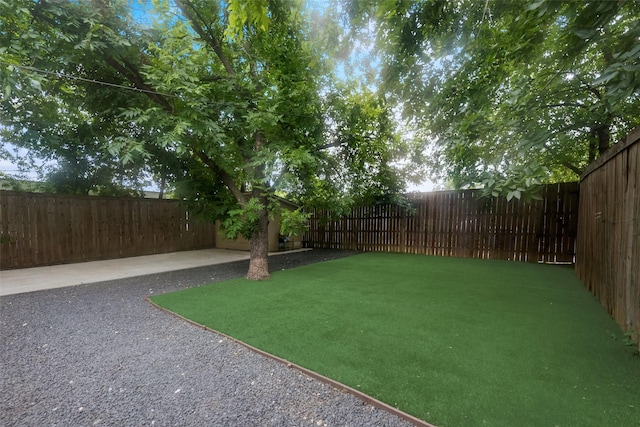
[{"x": 98, "y": 354}]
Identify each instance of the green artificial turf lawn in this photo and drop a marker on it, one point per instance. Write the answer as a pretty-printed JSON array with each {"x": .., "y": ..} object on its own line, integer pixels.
[{"x": 455, "y": 342}]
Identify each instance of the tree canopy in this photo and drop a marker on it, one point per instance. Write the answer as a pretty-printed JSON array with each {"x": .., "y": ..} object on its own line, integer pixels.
[
  {"x": 510, "y": 93},
  {"x": 222, "y": 99}
]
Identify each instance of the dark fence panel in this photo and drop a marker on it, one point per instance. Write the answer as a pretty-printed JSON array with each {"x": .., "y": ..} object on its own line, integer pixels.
[
  {"x": 45, "y": 229},
  {"x": 608, "y": 252},
  {"x": 460, "y": 224}
]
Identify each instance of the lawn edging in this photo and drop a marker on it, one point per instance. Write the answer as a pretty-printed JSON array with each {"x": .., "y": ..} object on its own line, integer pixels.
[{"x": 338, "y": 385}]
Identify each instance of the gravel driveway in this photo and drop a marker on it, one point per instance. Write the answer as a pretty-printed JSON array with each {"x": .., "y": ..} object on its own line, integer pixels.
[{"x": 98, "y": 354}]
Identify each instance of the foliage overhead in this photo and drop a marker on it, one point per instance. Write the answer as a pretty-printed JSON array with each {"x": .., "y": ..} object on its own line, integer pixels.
[
  {"x": 222, "y": 100},
  {"x": 510, "y": 93},
  {"x": 359, "y": 161},
  {"x": 207, "y": 79},
  {"x": 53, "y": 118},
  {"x": 217, "y": 93}
]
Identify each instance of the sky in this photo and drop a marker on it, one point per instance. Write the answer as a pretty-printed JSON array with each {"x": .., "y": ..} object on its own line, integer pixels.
[{"x": 8, "y": 167}]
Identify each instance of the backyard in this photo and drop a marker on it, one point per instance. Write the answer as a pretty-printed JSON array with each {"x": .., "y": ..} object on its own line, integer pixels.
[{"x": 454, "y": 342}]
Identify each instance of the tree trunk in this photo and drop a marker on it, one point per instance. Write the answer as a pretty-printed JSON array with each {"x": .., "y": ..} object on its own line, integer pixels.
[
  {"x": 600, "y": 139},
  {"x": 604, "y": 138},
  {"x": 259, "y": 244},
  {"x": 163, "y": 183}
]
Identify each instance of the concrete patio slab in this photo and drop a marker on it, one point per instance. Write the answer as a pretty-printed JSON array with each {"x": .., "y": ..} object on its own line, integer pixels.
[{"x": 58, "y": 276}]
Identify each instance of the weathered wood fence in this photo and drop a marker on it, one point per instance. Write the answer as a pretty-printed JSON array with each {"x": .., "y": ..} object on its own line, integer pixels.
[
  {"x": 608, "y": 251},
  {"x": 45, "y": 229},
  {"x": 460, "y": 224}
]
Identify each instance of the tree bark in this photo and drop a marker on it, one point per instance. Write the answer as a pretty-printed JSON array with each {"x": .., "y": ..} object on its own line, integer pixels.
[
  {"x": 259, "y": 244},
  {"x": 600, "y": 140},
  {"x": 604, "y": 138}
]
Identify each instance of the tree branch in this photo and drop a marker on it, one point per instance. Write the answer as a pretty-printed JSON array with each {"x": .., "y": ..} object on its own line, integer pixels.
[
  {"x": 133, "y": 75},
  {"x": 572, "y": 168},
  {"x": 331, "y": 144},
  {"x": 195, "y": 19},
  {"x": 565, "y": 104},
  {"x": 226, "y": 178},
  {"x": 594, "y": 91},
  {"x": 591, "y": 89},
  {"x": 128, "y": 71}
]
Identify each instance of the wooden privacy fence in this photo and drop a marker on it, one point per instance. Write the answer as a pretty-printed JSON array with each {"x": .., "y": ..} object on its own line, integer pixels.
[
  {"x": 608, "y": 251},
  {"x": 460, "y": 224},
  {"x": 45, "y": 229}
]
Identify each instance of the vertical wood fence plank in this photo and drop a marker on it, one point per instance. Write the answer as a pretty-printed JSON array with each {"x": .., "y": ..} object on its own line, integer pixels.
[
  {"x": 608, "y": 251},
  {"x": 461, "y": 224},
  {"x": 45, "y": 229}
]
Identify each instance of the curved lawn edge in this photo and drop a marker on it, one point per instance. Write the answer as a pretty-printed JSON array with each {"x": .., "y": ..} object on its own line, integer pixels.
[{"x": 336, "y": 384}]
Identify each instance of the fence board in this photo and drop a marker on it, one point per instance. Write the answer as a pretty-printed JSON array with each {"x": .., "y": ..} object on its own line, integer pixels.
[
  {"x": 44, "y": 229},
  {"x": 461, "y": 224},
  {"x": 608, "y": 252}
]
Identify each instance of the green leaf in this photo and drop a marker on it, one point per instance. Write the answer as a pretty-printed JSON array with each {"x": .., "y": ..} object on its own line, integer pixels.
[
  {"x": 585, "y": 34},
  {"x": 606, "y": 78},
  {"x": 536, "y": 5},
  {"x": 293, "y": 223}
]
